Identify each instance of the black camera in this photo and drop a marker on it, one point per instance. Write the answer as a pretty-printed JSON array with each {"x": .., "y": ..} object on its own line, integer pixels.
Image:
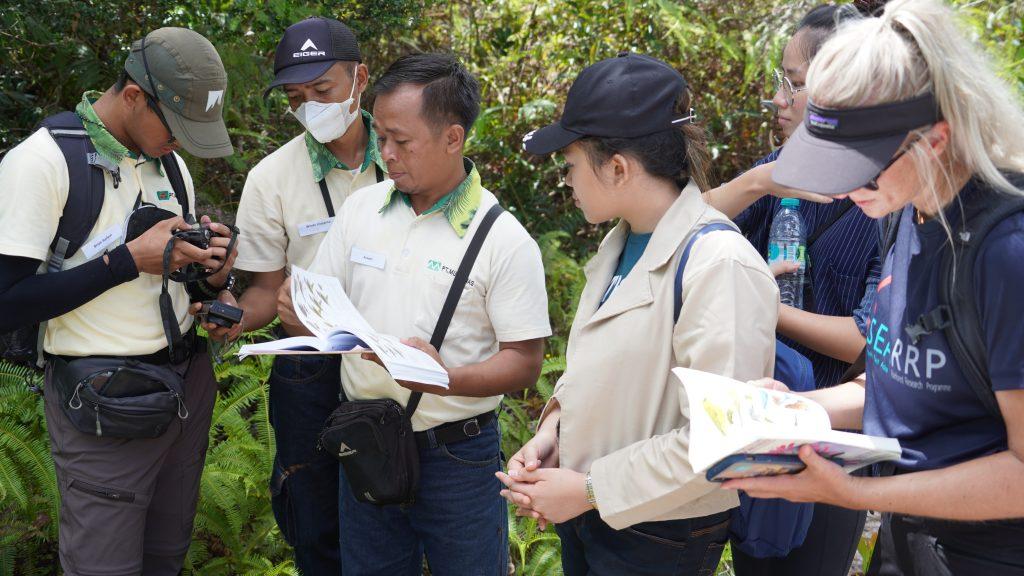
[
  {"x": 199, "y": 235},
  {"x": 219, "y": 313}
]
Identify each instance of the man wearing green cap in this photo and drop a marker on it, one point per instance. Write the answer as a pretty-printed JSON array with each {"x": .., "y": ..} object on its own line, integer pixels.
[{"x": 128, "y": 493}]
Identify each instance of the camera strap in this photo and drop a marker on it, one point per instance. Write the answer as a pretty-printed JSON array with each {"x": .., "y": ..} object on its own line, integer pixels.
[{"x": 172, "y": 332}]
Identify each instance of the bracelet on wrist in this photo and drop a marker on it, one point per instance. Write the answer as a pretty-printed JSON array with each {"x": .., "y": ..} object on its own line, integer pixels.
[
  {"x": 214, "y": 291},
  {"x": 591, "y": 499}
]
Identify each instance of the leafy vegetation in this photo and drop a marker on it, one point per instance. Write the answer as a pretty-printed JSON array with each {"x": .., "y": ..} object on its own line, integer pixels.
[{"x": 525, "y": 53}]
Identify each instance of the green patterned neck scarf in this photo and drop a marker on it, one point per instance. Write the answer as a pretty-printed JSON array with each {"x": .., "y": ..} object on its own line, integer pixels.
[{"x": 459, "y": 206}]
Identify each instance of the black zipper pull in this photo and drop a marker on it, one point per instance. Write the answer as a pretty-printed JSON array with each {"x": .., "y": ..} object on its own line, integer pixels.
[{"x": 181, "y": 406}]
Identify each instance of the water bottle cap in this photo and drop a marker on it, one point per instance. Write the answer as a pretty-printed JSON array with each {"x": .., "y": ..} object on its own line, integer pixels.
[{"x": 790, "y": 203}]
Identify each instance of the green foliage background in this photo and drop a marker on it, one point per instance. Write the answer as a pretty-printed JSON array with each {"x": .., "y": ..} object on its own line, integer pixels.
[{"x": 525, "y": 54}]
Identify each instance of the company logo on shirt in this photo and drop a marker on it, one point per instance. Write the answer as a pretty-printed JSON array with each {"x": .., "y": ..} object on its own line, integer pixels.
[
  {"x": 437, "y": 266},
  {"x": 905, "y": 363},
  {"x": 164, "y": 195},
  {"x": 305, "y": 50}
]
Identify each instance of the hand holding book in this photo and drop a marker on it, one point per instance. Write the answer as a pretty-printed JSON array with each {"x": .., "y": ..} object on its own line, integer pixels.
[{"x": 337, "y": 327}]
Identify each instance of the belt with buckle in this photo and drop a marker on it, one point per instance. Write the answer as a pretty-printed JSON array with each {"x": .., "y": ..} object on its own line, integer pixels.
[{"x": 455, "y": 431}]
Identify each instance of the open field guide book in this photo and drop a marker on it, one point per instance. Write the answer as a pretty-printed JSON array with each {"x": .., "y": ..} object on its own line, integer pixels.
[
  {"x": 338, "y": 328},
  {"x": 738, "y": 430}
]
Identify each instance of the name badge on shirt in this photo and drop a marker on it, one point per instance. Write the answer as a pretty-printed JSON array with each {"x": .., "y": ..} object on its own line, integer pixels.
[
  {"x": 366, "y": 258},
  {"x": 315, "y": 226},
  {"x": 94, "y": 247}
]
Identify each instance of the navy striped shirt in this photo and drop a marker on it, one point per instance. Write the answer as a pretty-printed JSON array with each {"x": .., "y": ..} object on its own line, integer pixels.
[{"x": 843, "y": 265}]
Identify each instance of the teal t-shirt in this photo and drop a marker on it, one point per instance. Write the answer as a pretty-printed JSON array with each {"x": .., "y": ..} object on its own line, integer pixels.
[{"x": 631, "y": 252}]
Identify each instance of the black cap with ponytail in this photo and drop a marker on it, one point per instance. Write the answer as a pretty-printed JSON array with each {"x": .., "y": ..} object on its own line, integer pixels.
[{"x": 679, "y": 153}]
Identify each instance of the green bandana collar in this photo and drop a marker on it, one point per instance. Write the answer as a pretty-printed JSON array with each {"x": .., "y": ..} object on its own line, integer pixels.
[
  {"x": 324, "y": 160},
  {"x": 104, "y": 142},
  {"x": 459, "y": 206}
]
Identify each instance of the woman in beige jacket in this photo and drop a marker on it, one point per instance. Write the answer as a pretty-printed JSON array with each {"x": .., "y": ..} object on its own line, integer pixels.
[{"x": 609, "y": 462}]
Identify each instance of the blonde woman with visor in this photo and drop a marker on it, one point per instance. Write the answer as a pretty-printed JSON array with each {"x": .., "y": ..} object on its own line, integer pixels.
[{"x": 907, "y": 118}]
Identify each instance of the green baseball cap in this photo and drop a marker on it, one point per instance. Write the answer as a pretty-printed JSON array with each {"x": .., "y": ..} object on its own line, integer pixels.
[{"x": 184, "y": 72}]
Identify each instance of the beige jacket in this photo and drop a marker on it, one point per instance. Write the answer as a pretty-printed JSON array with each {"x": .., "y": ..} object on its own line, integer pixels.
[{"x": 624, "y": 416}]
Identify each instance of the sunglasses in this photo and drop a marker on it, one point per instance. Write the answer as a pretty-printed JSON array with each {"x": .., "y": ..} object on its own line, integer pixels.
[
  {"x": 151, "y": 101},
  {"x": 873, "y": 183}
]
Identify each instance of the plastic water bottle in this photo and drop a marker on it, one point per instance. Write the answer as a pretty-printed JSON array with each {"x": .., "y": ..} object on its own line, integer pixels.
[{"x": 787, "y": 242}]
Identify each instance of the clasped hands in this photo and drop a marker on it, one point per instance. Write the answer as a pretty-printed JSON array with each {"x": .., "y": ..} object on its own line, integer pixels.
[{"x": 539, "y": 488}]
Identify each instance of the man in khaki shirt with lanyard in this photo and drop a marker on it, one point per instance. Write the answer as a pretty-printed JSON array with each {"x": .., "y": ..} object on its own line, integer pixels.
[
  {"x": 287, "y": 206},
  {"x": 128, "y": 493},
  {"x": 395, "y": 249}
]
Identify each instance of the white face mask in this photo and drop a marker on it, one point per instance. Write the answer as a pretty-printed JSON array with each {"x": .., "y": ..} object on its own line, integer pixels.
[{"x": 327, "y": 122}]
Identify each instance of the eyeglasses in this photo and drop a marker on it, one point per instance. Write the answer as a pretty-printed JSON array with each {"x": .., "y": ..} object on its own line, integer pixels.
[
  {"x": 873, "y": 183},
  {"x": 785, "y": 85}
]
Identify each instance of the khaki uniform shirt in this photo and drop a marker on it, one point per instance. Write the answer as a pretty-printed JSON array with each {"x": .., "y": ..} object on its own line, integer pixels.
[
  {"x": 125, "y": 320},
  {"x": 397, "y": 267},
  {"x": 282, "y": 214}
]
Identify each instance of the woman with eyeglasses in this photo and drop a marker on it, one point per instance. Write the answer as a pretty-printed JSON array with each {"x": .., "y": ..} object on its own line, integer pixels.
[
  {"x": 842, "y": 269},
  {"x": 907, "y": 119}
]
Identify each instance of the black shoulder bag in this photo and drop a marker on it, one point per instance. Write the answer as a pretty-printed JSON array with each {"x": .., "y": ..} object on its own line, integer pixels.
[{"x": 373, "y": 439}]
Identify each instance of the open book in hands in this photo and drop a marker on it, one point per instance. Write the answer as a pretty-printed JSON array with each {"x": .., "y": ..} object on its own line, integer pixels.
[
  {"x": 323, "y": 307},
  {"x": 738, "y": 430}
]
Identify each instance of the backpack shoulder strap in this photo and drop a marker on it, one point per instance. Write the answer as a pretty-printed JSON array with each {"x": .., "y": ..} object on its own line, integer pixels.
[
  {"x": 678, "y": 286},
  {"x": 452, "y": 300},
  {"x": 173, "y": 172},
  {"x": 826, "y": 225},
  {"x": 957, "y": 300},
  {"x": 86, "y": 186}
]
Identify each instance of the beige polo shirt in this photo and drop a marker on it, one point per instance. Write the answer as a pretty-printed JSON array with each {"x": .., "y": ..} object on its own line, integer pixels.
[
  {"x": 282, "y": 214},
  {"x": 124, "y": 320},
  {"x": 624, "y": 416},
  {"x": 397, "y": 268}
]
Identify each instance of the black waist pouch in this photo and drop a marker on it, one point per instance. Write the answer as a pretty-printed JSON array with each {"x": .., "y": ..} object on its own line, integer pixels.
[
  {"x": 374, "y": 442},
  {"x": 119, "y": 397}
]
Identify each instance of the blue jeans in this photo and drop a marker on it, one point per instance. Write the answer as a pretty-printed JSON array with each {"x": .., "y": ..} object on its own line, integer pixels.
[
  {"x": 690, "y": 547},
  {"x": 304, "y": 390},
  {"x": 458, "y": 520}
]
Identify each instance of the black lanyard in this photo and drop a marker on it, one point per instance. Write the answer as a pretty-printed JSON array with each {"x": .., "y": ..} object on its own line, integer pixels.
[{"x": 327, "y": 194}]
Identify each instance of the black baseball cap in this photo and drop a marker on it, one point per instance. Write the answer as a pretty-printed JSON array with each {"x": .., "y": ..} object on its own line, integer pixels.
[
  {"x": 628, "y": 96},
  {"x": 836, "y": 151},
  {"x": 311, "y": 46}
]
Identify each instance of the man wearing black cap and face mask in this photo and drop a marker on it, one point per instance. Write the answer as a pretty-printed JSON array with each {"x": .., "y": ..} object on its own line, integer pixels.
[
  {"x": 287, "y": 205},
  {"x": 129, "y": 385}
]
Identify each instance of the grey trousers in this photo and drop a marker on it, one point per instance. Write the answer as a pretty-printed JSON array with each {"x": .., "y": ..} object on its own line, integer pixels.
[{"x": 127, "y": 505}]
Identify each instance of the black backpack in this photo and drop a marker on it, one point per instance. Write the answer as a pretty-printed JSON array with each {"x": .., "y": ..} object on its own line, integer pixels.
[
  {"x": 957, "y": 313},
  {"x": 81, "y": 210}
]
